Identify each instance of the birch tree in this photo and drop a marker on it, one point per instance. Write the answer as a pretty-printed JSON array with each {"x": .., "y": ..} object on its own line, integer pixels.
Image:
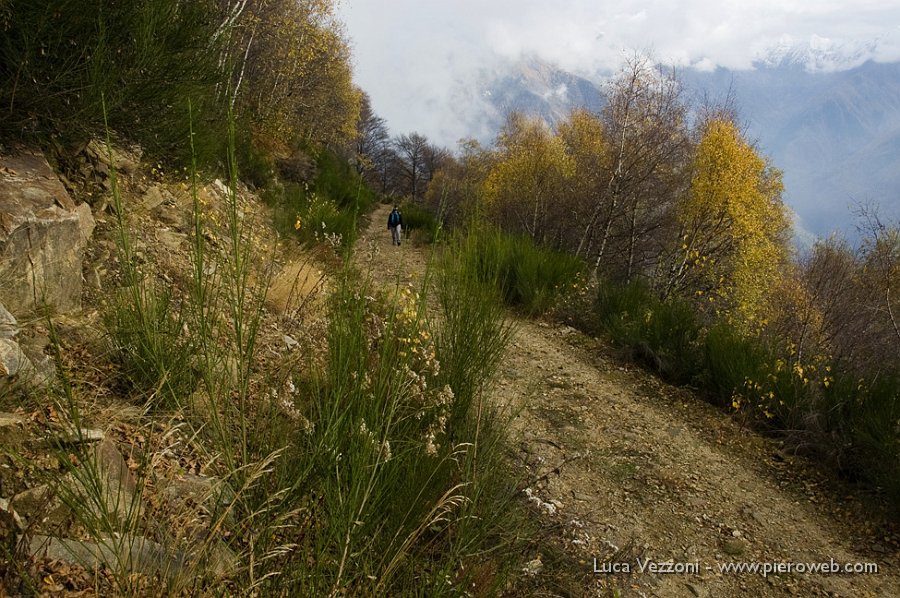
[
  {"x": 528, "y": 179},
  {"x": 733, "y": 225}
]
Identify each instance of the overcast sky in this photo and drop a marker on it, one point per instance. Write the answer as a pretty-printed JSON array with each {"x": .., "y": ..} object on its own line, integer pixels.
[{"x": 418, "y": 59}]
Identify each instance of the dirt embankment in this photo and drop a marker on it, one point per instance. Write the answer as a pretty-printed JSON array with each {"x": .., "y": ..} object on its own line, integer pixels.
[{"x": 626, "y": 473}]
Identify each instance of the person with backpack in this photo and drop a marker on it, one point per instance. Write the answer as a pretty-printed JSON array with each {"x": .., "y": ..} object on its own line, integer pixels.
[{"x": 395, "y": 225}]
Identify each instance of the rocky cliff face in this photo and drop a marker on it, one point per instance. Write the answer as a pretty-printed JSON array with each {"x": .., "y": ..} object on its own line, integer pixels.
[{"x": 43, "y": 235}]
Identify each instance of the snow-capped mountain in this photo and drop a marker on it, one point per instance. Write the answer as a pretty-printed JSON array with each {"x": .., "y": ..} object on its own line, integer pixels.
[{"x": 819, "y": 54}]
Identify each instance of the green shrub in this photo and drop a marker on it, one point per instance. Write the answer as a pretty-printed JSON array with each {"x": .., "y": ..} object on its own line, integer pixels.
[
  {"x": 664, "y": 335},
  {"x": 153, "y": 63},
  {"x": 327, "y": 209},
  {"x": 864, "y": 414},
  {"x": 255, "y": 167},
  {"x": 621, "y": 309},
  {"x": 673, "y": 334},
  {"x": 730, "y": 360},
  {"x": 528, "y": 276},
  {"x": 337, "y": 181},
  {"x": 310, "y": 217},
  {"x": 419, "y": 223}
]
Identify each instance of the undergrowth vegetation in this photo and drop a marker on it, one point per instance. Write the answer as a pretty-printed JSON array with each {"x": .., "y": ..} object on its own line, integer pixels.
[
  {"x": 367, "y": 463},
  {"x": 819, "y": 406},
  {"x": 328, "y": 207},
  {"x": 282, "y": 69},
  {"x": 419, "y": 224},
  {"x": 60, "y": 61},
  {"x": 528, "y": 276},
  {"x": 665, "y": 336}
]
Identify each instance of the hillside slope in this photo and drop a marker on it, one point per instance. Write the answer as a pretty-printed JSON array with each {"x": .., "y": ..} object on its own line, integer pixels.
[{"x": 621, "y": 467}]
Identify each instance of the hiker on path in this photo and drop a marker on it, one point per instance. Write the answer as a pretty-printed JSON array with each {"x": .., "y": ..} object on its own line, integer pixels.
[{"x": 395, "y": 225}]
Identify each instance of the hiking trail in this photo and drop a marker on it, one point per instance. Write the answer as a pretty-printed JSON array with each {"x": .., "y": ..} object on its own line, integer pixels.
[{"x": 625, "y": 470}]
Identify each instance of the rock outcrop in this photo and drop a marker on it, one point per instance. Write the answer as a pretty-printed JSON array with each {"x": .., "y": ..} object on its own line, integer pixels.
[
  {"x": 21, "y": 359},
  {"x": 42, "y": 237}
]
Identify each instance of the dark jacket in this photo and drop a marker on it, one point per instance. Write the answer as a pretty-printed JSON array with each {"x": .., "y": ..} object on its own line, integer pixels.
[{"x": 395, "y": 218}]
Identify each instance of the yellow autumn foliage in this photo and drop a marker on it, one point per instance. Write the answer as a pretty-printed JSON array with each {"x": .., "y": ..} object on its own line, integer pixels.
[
  {"x": 528, "y": 177},
  {"x": 735, "y": 225},
  {"x": 293, "y": 71}
]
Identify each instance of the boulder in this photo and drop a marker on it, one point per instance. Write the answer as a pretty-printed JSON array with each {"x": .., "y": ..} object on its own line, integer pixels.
[
  {"x": 43, "y": 367},
  {"x": 118, "y": 487},
  {"x": 12, "y": 432},
  {"x": 205, "y": 492},
  {"x": 105, "y": 157},
  {"x": 8, "y": 325},
  {"x": 103, "y": 494},
  {"x": 156, "y": 196},
  {"x": 124, "y": 554},
  {"x": 22, "y": 357},
  {"x": 73, "y": 437},
  {"x": 13, "y": 361},
  {"x": 42, "y": 237},
  {"x": 40, "y": 507}
]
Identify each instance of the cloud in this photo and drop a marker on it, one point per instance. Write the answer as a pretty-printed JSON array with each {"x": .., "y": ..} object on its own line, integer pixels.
[{"x": 419, "y": 59}]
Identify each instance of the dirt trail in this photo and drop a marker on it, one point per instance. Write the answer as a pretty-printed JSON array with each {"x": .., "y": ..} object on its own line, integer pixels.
[{"x": 624, "y": 470}]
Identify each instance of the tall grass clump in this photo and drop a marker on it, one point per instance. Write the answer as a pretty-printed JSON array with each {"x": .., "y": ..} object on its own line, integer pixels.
[
  {"x": 381, "y": 416},
  {"x": 530, "y": 277},
  {"x": 471, "y": 339},
  {"x": 228, "y": 337},
  {"x": 473, "y": 329},
  {"x": 395, "y": 466},
  {"x": 191, "y": 354},
  {"x": 315, "y": 217},
  {"x": 419, "y": 223},
  {"x": 146, "y": 330},
  {"x": 873, "y": 411},
  {"x": 145, "y": 325},
  {"x": 730, "y": 362}
]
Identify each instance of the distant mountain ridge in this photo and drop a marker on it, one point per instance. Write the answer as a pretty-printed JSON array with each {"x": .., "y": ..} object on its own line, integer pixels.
[
  {"x": 819, "y": 55},
  {"x": 835, "y": 133},
  {"x": 537, "y": 88}
]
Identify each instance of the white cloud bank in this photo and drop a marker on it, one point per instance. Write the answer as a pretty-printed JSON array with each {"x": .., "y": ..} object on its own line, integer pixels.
[{"x": 418, "y": 59}]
